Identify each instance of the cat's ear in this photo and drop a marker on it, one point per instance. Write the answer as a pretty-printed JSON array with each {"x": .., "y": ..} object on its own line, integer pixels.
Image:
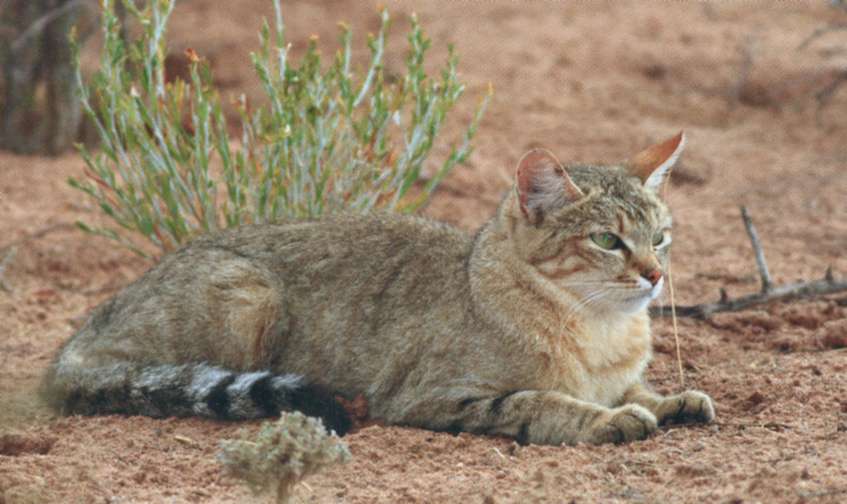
[
  {"x": 653, "y": 164},
  {"x": 542, "y": 185}
]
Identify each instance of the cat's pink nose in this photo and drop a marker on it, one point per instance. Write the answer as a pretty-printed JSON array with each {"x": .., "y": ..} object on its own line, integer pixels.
[{"x": 653, "y": 276}]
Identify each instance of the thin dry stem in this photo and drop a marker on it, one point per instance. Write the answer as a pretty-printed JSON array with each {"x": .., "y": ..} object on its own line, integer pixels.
[
  {"x": 764, "y": 274},
  {"x": 675, "y": 326},
  {"x": 673, "y": 305}
]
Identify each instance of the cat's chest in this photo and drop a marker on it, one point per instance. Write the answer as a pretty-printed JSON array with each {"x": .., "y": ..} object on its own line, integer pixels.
[{"x": 602, "y": 361}]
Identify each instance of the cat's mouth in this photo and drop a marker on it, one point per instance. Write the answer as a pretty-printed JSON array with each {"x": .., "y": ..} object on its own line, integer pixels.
[
  {"x": 648, "y": 290},
  {"x": 655, "y": 290},
  {"x": 622, "y": 296},
  {"x": 641, "y": 296}
]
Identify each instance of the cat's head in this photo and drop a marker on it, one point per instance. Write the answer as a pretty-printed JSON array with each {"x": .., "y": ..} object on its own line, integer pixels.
[{"x": 601, "y": 233}]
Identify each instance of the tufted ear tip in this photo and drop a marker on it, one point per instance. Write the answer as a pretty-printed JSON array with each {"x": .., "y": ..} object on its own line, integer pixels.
[{"x": 653, "y": 164}]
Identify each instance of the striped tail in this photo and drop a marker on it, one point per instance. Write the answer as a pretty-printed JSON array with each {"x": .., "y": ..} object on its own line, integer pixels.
[{"x": 190, "y": 390}]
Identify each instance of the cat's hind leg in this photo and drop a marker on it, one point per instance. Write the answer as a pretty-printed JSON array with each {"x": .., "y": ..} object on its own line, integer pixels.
[
  {"x": 206, "y": 349},
  {"x": 243, "y": 308}
]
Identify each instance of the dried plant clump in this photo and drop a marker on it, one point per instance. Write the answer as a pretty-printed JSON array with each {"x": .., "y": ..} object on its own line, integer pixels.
[{"x": 283, "y": 453}]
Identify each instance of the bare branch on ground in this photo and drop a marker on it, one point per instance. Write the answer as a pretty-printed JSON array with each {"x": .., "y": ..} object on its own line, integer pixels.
[{"x": 768, "y": 292}]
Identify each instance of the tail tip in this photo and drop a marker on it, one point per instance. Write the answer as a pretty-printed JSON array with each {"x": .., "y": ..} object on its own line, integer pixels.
[{"x": 319, "y": 401}]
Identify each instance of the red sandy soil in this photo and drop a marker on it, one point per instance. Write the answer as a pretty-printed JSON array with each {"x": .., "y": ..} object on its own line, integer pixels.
[{"x": 591, "y": 81}]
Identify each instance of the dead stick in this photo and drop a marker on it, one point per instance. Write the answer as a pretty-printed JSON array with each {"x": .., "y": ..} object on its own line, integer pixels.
[
  {"x": 786, "y": 292},
  {"x": 757, "y": 249},
  {"x": 767, "y": 294}
]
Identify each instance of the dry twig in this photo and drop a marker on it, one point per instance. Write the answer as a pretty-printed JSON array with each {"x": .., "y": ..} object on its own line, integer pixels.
[
  {"x": 757, "y": 249},
  {"x": 768, "y": 292}
]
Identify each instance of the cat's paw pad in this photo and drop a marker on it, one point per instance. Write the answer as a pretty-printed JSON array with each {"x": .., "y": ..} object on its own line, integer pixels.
[
  {"x": 691, "y": 406},
  {"x": 627, "y": 423}
]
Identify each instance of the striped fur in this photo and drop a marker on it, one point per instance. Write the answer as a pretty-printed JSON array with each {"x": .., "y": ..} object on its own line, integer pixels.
[
  {"x": 192, "y": 390},
  {"x": 529, "y": 329}
]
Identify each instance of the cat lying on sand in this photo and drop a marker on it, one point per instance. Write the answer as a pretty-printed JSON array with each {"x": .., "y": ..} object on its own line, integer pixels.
[{"x": 536, "y": 327}]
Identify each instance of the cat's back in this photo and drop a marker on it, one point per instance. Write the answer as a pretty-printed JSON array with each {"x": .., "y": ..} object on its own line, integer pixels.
[
  {"x": 357, "y": 294},
  {"x": 348, "y": 263},
  {"x": 340, "y": 242},
  {"x": 342, "y": 274}
]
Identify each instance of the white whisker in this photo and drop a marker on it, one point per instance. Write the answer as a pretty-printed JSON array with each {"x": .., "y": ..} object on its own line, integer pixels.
[{"x": 582, "y": 304}]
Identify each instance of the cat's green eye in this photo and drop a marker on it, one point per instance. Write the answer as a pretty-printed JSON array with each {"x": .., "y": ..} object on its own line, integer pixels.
[
  {"x": 608, "y": 241},
  {"x": 658, "y": 239}
]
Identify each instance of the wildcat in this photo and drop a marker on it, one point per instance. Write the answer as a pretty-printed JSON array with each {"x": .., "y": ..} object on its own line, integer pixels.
[{"x": 535, "y": 328}]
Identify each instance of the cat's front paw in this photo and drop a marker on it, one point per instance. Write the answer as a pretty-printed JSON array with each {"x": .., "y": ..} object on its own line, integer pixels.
[
  {"x": 691, "y": 406},
  {"x": 630, "y": 422}
]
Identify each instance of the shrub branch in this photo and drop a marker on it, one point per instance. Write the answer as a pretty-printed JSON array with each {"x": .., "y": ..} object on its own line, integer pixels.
[{"x": 328, "y": 138}]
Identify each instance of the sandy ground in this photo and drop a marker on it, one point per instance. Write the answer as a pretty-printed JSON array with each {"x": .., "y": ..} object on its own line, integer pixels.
[{"x": 591, "y": 81}]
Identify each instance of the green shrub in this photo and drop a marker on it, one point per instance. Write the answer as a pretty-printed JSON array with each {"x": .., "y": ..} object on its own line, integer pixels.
[
  {"x": 283, "y": 453},
  {"x": 327, "y": 138}
]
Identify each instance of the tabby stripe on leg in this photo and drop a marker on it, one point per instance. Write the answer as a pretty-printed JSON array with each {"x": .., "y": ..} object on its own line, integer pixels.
[{"x": 496, "y": 405}]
